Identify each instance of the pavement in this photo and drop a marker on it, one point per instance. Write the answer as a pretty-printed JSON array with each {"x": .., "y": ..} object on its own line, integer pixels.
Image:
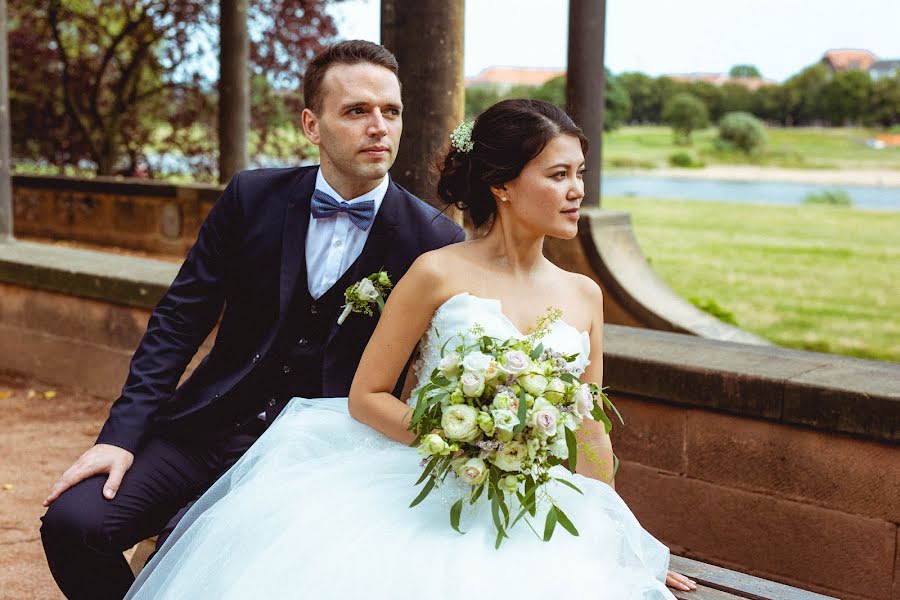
[{"x": 43, "y": 429}]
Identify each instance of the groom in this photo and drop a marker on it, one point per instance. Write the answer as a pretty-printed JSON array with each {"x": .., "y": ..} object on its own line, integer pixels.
[{"x": 277, "y": 252}]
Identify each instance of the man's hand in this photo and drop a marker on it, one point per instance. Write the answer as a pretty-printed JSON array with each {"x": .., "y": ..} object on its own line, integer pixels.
[{"x": 102, "y": 458}]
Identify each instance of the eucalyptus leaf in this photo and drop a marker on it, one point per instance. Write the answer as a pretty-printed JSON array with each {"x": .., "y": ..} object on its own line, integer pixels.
[
  {"x": 536, "y": 353},
  {"x": 550, "y": 524},
  {"x": 523, "y": 410},
  {"x": 564, "y": 521},
  {"x": 572, "y": 445},
  {"x": 455, "y": 512},
  {"x": 428, "y": 469},
  {"x": 425, "y": 490},
  {"x": 569, "y": 484}
]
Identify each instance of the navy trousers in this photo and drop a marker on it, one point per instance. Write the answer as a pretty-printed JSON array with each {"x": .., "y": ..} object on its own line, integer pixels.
[{"x": 84, "y": 534}]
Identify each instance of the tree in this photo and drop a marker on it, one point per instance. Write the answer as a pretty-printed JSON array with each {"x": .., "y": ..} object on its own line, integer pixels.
[
  {"x": 113, "y": 70},
  {"x": 845, "y": 99},
  {"x": 744, "y": 71},
  {"x": 884, "y": 104},
  {"x": 735, "y": 98},
  {"x": 645, "y": 101},
  {"x": 617, "y": 103},
  {"x": 711, "y": 95},
  {"x": 685, "y": 113},
  {"x": 744, "y": 131},
  {"x": 802, "y": 95}
]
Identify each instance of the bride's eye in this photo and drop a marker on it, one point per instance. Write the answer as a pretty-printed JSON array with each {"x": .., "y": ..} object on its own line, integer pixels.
[
  {"x": 581, "y": 173},
  {"x": 559, "y": 175}
]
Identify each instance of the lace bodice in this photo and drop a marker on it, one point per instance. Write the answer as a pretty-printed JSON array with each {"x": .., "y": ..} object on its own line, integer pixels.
[{"x": 461, "y": 312}]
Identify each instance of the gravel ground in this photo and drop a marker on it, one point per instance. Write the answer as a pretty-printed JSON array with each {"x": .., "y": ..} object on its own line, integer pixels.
[{"x": 42, "y": 430}]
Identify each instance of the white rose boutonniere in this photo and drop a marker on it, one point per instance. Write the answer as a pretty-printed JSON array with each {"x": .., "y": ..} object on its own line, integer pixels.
[{"x": 368, "y": 290}]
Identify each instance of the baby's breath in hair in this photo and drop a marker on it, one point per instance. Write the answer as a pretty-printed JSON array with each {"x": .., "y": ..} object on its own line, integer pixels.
[{"x": 461, "y": 138}]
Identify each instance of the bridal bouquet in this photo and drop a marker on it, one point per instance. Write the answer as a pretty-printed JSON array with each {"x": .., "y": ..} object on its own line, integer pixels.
[{"x": 499, "y": 414}]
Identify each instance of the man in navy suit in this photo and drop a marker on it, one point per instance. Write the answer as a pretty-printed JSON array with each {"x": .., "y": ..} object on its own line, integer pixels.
[{"x": 277, "y": 252}]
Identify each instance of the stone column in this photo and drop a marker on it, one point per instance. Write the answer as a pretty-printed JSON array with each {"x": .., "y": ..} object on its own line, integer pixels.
[
  {"x": 585, "y": 83},
  {"x": 6, "y": 226},
  {"x": 234, "y": 88},
  {"x": 426, "y": 36}
]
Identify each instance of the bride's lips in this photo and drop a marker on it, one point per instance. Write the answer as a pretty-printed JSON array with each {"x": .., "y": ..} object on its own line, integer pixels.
[{"x": 572, "y": 213}]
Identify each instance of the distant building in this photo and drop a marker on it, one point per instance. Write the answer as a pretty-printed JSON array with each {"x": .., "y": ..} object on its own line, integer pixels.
[
  {"x": 720, "y": 79},
  {"x": 882, "y": 69},
  {"x": 848, "y": 60},
  {"x": 503, "y": 79}
]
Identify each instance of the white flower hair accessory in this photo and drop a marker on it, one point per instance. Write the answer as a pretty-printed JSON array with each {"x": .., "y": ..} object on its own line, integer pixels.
[{"x": 461, "y": 138}]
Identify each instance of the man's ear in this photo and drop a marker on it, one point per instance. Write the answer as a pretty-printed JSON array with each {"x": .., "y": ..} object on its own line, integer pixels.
[{"x": 310, "y": 123}]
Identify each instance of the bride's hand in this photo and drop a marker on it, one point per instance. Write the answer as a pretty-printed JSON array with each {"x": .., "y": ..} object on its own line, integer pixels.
[{"x": 680, "y": 582}]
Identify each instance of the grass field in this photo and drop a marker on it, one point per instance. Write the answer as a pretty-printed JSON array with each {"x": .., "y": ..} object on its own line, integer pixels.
[
  {"x": 810, "y": 277},
  {"x": 799, "y": 147}
]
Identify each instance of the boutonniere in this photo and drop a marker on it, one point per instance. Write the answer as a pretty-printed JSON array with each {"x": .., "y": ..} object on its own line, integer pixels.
[{"x": 361, "y": 295}]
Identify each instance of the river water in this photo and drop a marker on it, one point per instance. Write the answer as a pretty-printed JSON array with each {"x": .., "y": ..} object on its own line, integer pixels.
[{"x": 761, "y": 192}]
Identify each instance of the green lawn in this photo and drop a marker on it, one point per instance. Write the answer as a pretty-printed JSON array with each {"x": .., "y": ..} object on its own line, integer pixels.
[
  {"x": 799, "y": 147},
  {"x": 811, "y": 277}
]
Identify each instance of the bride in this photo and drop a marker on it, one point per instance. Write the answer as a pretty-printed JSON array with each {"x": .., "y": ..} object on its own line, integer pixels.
[{"x": 319, "y": 506}]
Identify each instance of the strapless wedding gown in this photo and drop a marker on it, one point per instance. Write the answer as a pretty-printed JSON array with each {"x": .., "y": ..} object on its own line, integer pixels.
[{"x": 318, "y": 508}]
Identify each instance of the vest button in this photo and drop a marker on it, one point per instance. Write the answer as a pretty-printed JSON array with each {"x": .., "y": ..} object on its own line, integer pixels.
[
  {"x": 272, "y": 402},
  {"x": 302, "y": 342},
  {"x": 286, "y": 369},
  {"x": 255, "y": 359},
  {"x": 314, "y": 309}
]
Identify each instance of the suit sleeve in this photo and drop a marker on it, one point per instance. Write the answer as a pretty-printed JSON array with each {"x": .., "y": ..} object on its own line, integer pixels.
[{"x": 178, "y": 325}]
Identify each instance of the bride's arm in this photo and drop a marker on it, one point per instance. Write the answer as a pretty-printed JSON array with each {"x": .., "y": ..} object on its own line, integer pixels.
[
  {"x": 595, "y": 453},
  {"x": 405, "y": 319}
]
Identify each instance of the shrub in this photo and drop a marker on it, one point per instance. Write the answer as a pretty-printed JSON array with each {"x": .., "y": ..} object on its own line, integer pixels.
[
  {"x": 829, "y": 197},
  {"x": 685, "y": 160},
  {"x": 743, "y": 130}
]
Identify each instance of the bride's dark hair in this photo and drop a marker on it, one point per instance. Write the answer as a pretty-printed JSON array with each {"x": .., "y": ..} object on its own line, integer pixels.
[{"x": 505, "y": 137}]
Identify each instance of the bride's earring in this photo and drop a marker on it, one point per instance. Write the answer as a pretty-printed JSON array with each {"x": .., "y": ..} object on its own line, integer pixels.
[{"x": 503, "y": 199}]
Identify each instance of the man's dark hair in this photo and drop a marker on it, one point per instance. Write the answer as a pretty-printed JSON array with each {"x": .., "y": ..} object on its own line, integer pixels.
[{"x": 350, "y": 52}]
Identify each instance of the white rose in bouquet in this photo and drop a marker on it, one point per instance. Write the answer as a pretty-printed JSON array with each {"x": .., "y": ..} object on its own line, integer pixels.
[
  {"x": 477, "y": 362},
  {"x": 472, "y": 384},
  {"x": 511, "y": 457},
  {"x": 474, "y": 471},
  {"x": 460, "y": 422},
  {"x": 505, "y": 419},
  {"x": 492, "y": 371},
  {"x": 544, "y": 417},
  {"x": 516, "y": 362},
  {"x": 449, "y": 364},
  {"x": 366, "y": 290},
  {"x": 432, "y": 444},
  {"x": 533, "y": 383},
  {"x": 584, "y": 401}
]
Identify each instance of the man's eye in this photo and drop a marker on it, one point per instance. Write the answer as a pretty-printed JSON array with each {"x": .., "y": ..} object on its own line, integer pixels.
[{"x": 357, "y": 111}]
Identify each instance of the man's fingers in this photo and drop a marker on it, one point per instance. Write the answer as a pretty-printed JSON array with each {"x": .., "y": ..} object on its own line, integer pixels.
[
  {"x": 113, "y": 481},
  {"x": 74, "y": 474}
]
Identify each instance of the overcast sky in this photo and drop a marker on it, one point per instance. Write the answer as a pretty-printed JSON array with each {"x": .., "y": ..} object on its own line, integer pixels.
[{"x": 780, "y": 37}]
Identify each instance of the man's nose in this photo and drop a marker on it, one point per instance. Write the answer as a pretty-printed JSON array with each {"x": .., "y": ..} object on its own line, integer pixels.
[{"x": 377, "y": 126}]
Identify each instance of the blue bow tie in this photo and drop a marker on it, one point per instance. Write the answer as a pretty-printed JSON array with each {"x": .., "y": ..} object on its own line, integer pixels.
[{"x": 361, "y": 213}]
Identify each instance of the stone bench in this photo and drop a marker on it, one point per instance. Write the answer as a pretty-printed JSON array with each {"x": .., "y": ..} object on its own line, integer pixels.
[{"x": 713, "y": 583}]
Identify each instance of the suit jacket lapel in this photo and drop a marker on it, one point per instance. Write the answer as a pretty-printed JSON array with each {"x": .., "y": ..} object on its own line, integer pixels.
[{"x": 293, "y": 244}]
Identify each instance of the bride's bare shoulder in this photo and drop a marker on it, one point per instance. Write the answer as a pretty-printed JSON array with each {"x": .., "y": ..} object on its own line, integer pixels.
[{"x": 438, "y": 272}]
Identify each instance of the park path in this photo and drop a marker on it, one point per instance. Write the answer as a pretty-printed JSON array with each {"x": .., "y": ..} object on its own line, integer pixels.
[{"x": 42, "y": 430}]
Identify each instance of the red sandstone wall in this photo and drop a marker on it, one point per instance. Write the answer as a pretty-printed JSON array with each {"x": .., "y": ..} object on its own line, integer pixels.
[{"x": 811, "y": 509}]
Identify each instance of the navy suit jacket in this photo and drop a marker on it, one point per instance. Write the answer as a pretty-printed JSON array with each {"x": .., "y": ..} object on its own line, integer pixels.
[{"x": 248, "y": 256}]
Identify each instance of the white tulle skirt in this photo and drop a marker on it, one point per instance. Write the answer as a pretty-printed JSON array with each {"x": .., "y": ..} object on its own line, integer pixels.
[{"x": 318, "y": 508}]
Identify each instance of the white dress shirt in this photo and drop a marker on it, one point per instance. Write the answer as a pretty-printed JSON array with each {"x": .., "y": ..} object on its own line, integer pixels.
[{"x": 334, "y": 243}]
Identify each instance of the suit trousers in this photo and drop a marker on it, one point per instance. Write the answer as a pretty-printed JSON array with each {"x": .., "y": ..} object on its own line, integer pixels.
[{"x": 84, "y": 534}]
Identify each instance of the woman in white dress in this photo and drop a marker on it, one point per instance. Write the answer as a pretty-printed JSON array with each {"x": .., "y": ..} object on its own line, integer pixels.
[{"x": 318, "y": 508}]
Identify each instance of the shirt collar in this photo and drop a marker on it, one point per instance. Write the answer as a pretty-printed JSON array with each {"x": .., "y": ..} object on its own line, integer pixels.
[{"x": 376, "y": 194}]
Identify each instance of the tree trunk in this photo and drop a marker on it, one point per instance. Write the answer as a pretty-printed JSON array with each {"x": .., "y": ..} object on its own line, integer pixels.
[
  {"x": 585, "y": 80},
  {"x": 234, "y": 88},
  {"x": 6, "y": 225},
  {"x": 426, "y": 36}
]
